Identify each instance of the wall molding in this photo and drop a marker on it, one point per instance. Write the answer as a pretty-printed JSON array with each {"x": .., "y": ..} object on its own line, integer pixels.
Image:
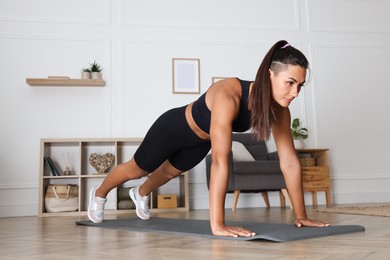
[
  {"x": 369, "y": 176},
  {"x": 55, "y": 38},
  {"x": 19, "y": 186},
  {"x": 54, "y": 19},
  {"x": 212, "y": 26},
  {"x": 315, "y": 46},
  {"x": 157, "y": 41},
  {"x": 356, "y": 15}
]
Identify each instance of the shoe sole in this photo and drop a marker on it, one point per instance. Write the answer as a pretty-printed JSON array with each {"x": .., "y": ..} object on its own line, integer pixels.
[{"x": 132, "y": 196}]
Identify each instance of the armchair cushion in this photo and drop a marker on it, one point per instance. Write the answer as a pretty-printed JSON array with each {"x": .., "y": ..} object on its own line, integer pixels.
[
  {"x": 240, "y": 153},
  {"x": 256, "y": 148}
]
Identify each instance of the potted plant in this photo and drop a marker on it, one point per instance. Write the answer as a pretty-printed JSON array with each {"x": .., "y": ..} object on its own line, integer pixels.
[
  {"x": 298, "y": 134},
  {"x": 85, "y": 73},
  {"x": 95, "y": 70}
]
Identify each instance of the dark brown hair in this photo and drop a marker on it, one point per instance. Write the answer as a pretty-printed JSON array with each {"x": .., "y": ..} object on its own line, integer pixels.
[{"x": 260, "y": 100}]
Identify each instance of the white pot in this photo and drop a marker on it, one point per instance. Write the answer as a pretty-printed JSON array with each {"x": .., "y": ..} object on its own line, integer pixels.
[
  {"x": 96, "y": 75},
  {"x": 299, "y": 144},
  {"x": 85, "y": 75}
]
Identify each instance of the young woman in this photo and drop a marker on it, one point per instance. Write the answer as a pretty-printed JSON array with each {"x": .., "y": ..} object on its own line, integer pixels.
[{"x": 182, "y": 137}]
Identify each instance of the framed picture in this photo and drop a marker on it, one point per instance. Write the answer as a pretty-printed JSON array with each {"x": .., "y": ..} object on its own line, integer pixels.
[
  {"x": 216, "y": 79},
  {"x": 185, "y": 76}
]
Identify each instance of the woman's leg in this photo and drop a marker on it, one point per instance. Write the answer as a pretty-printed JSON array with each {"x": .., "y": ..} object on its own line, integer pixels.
[
  {"x": 140, "y": 194},
  {"x": 185, "y": 159},
  {"x": 130, "y": 171},
  {"x": 159, "y": 177},
  {"x": 120, "y": 174}
]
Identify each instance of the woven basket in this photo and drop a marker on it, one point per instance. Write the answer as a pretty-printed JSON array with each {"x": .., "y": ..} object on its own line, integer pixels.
[{"x": 305, "y": 162}]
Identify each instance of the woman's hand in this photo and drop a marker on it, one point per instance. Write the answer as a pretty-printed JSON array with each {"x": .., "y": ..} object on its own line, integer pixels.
[
  {"x": 230, "y": 231},
  {"x": 305, "y": 222}
]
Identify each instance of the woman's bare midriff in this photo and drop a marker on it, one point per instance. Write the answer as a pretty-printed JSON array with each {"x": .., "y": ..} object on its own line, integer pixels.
[{"x": 191, "y": 122}]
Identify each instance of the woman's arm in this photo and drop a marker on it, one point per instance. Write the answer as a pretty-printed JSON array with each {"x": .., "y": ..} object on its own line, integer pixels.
[
  {"x": 224, "y": 106},
  {"x": 290, "y": 166}
]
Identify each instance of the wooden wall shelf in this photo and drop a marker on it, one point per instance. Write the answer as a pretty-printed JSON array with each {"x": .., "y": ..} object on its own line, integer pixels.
[{"x": 64, "y": 82}]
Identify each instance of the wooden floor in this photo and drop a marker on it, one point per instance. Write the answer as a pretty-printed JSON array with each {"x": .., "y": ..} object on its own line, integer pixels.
[{"x": 59, "y": 238}]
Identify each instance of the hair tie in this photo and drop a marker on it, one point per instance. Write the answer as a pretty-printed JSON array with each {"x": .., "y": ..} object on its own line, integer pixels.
[{"x": 286, "y": 45}]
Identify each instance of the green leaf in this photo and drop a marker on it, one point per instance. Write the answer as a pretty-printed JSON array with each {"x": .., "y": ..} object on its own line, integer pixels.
[
  {"x": 298, "y": 133},
  {"x": 95, "y": 67},
  {"x": 295, "y": 123}
]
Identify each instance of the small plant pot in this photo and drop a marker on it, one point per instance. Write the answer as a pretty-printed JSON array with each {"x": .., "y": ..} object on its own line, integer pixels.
[
  {"x": 299, "y": 144},
  {"x": 85, "y": 75},
  {"x": 96, "y": 75}
]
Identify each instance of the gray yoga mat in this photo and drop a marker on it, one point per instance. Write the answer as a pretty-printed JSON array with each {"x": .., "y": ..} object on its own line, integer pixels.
[{"x": 191, "y": 227}]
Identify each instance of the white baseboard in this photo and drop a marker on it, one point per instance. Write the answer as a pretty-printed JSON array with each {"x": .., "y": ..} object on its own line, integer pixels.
[{"x": 18, "y": 210}]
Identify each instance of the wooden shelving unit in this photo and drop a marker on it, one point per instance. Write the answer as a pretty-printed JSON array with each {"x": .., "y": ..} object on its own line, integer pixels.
[
  {"x": 75, "y": 153},
  {"x": 64, "y": 82},
  {"x": 316, "y": 178}
]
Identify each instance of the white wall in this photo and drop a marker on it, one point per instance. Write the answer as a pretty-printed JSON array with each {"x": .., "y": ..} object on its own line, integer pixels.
[{"x": 347, "y": 42}]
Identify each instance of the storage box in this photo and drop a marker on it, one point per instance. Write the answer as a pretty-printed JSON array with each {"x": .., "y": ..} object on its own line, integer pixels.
[{"x": 166, "y": 201}]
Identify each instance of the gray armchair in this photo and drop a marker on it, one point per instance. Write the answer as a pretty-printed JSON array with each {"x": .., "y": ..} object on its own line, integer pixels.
[{"x": 252, "y": 169}]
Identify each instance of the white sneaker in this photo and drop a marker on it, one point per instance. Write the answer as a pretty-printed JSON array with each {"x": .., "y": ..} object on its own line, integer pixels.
[
  {"x": 96, "y": 207},
  {"x": 141, "y": 203}
]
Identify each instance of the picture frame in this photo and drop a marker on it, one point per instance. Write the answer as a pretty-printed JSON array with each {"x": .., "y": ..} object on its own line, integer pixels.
[
  {"x": 185, "y": 76},
  {"x": 216, "y": 79}
]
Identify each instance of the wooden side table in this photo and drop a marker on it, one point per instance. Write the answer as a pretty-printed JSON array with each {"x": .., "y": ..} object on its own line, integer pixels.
[{"x": 316, "y": 177}]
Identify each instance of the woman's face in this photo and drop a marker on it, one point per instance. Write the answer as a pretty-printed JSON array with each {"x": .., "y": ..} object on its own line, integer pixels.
[{"x": 287, "y": 83}]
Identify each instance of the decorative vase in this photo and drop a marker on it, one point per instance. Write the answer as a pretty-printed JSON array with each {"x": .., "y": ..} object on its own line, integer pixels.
[
  {"x": 67, "y": 171},
  {"x": 85, "y": 75},
  {"x": 96, "y": 75}
]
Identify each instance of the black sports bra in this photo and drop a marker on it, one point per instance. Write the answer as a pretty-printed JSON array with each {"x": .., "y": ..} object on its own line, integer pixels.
[{"x": 202, "y": 115}]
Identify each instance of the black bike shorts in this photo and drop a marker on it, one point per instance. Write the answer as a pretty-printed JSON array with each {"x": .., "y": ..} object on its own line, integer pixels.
[{"x": 171, "y": 138}]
